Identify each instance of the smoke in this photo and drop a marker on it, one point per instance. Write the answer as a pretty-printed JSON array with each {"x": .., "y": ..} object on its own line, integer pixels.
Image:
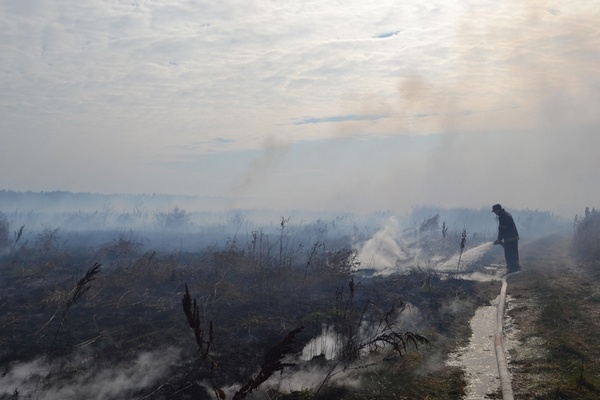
[
  {"x": 307, "y": 376},
  {"x": 386, "y": 250},
  {"x": 310, "y": 375},
  {"x": 517, "y": 92},
  {"x": 95, "y": 383},
  {"x": 273, "y": 153},
  {"x": 327, "y": 344}
]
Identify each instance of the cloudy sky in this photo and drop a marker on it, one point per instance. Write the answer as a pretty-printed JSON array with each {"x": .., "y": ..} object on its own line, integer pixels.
[{"x": 329, "y": 105}]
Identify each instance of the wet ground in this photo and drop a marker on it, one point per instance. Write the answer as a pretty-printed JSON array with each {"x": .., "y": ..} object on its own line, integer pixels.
[{"x": 478, "y": 358}]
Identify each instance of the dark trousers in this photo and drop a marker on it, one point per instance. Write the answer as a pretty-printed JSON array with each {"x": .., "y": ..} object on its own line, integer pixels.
[{"x": 511, "y": 254}]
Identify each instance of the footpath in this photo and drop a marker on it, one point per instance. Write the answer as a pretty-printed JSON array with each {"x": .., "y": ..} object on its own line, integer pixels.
[{"x": 555, "y": 307}]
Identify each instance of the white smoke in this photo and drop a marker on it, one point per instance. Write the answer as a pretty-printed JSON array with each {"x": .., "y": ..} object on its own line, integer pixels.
[
  {"x": 310, "y": 374},
  {"x": 386, "y": 251},
  {"x": 102, "y": 383},
  {"x": 327, "y": 344}
]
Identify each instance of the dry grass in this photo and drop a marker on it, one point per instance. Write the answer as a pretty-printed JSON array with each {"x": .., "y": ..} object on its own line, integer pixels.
[
  {"x": 558, "y": 354},
  {"x": 204, "y": 339},
  {"x": 260, "y": 292},
  {"x": 80, "y": 289}
]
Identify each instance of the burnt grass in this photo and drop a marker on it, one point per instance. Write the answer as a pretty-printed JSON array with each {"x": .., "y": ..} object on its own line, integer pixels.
[
  {"x": 134, "y": 305},
  {"x": 252, "y": 301},
  {"x": 556, "y": 308}
]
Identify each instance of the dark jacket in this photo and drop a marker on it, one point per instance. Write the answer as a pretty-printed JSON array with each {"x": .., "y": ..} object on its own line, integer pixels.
[{"x": 507, "y": 230}]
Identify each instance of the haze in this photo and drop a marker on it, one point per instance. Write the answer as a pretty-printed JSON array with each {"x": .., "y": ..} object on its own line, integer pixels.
[{"x": 319, "y": 105}]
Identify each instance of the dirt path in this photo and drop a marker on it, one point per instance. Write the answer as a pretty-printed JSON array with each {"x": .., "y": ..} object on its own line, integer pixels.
[{"x": 555, "y": 305}]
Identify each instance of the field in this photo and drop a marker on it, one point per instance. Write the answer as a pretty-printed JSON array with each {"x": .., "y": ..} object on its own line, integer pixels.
[
  {"x": 556, "y": 309},
  {"x": 285, "y": 312}
]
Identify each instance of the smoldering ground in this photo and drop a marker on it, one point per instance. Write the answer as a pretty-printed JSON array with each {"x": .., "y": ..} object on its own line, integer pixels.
[
  {"x": 141, "y": 289},
  {"x": 82, "y": 376}
]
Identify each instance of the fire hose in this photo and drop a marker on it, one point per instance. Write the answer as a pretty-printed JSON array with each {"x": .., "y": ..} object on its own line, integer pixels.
[{"x": 505, "y": 380}]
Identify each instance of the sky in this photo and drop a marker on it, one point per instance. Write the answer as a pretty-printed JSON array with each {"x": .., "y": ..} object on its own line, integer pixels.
[{"x": 317, "y": 105}]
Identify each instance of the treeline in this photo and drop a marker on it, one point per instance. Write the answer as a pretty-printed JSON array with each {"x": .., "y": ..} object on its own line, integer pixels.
[
  {"x": 59, "y": 201},
  {"x": 586, "y": 237}
]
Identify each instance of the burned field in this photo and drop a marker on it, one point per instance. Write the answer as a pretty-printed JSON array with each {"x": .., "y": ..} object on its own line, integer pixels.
[
  {"x": 285, "y": 312},
  {"x": 108, "y": 322}
]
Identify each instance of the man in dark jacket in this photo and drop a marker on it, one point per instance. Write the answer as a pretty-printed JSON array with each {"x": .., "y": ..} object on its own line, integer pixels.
[{"x": 508, "y": 237}]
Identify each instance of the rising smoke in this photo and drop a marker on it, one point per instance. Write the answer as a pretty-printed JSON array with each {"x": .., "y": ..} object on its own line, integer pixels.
[
  {"x": 386, "y": 251},
  {"x": 88, "y": 380}
]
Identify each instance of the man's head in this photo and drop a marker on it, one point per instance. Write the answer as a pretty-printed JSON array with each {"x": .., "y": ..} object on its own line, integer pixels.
[{"x": 496, "y": 208}]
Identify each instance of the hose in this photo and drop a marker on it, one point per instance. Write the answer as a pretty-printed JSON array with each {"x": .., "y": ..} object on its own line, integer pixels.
[{"x": 505, "y": 381}]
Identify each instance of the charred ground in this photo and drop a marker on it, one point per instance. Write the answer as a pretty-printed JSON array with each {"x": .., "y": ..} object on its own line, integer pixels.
[
  {"x": 251, "y": 297},
  {"x": 126, "y": 335}
]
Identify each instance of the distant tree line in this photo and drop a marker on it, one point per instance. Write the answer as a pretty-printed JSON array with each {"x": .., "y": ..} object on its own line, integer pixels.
[{"x": 586, "y": 236}]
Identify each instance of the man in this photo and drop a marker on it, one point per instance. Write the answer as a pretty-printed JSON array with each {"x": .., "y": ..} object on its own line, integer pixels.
[{"x": 508, "y": 237}]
